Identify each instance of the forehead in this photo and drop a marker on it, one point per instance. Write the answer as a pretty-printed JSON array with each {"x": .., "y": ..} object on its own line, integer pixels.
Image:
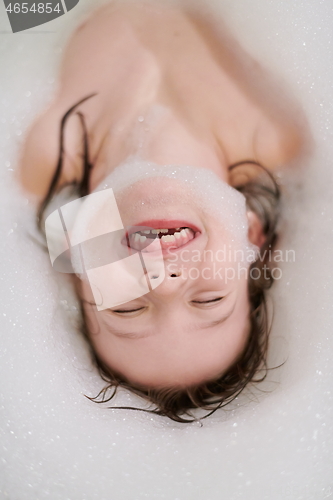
[
  {"x": 177, "y": 351},
  {"x": 174, "y": 362}
]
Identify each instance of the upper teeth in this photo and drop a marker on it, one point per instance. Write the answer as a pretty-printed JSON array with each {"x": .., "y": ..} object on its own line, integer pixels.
[
  {"x": 178, "y": 232},
  {"x": 168, "y": 237},
  {"x": 179, "y": 238}
]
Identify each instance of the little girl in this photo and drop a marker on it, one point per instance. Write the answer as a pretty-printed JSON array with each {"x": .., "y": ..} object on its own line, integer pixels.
[{"x": 157, "y": 105}]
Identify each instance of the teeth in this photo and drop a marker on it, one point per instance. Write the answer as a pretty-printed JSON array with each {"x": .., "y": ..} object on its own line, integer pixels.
[
  {"x": 179, "y": 238},
  {"x": 168, "y": 238},
  {"x": 156, "y": 231}
]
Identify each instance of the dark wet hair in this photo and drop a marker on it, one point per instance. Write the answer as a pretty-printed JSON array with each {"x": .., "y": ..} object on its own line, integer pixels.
[{"x": 262, "y": 195}]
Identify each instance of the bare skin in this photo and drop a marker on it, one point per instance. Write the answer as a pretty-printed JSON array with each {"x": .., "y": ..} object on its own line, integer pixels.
[
  {"x": 155, "y": 56},
  {"x": 137, "y": 57}
]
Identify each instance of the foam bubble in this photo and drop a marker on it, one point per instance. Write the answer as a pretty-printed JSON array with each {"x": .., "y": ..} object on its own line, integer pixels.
[{"x": 200, "y": 188}]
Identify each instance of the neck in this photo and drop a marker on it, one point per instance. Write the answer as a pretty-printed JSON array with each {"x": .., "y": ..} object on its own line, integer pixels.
[{"x": 156, "y": 133}]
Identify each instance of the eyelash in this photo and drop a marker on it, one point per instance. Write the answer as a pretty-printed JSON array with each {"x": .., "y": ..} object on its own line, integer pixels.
[
  {"x": 128, "y": 310},
  {"x": 193, "y": 301},
  {"x": 207, "y": 301}
]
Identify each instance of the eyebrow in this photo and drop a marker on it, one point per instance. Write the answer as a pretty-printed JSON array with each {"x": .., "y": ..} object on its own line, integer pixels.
[
  {"x": 218, "y": 321},
  {"x": 131, "y": 335}
]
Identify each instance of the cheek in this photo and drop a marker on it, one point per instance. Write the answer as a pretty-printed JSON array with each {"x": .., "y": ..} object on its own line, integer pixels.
[
  {"x": 92, "y": 317},
  {"x": 243, "y": 305}
]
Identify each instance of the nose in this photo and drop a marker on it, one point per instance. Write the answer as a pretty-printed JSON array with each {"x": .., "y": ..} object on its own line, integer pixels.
[{"x": 172, "y": 283}]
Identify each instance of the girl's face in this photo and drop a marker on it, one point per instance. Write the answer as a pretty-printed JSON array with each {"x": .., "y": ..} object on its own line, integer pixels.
[{"x": 194, "y": 325}]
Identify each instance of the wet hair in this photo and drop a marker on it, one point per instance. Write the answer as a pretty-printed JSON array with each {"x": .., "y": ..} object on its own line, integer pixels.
[{"x": 262, "y": 194}]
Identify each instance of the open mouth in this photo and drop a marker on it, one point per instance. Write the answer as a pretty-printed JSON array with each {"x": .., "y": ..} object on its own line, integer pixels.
[
  {"x": 147, "y": 239},
  {"x": 150, "y": 239}
]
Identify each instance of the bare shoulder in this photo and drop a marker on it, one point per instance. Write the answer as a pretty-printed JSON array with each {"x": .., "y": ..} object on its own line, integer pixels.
[
  {"x": 40, "y": 153},
  {"x": 277, "y": 143}
]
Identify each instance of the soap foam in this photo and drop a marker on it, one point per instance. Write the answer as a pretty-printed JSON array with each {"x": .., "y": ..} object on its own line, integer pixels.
[{"x": 194, "y": 187}]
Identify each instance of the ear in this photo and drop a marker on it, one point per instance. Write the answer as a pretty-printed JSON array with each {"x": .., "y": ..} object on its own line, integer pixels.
[{"x": 255, "y": 234}]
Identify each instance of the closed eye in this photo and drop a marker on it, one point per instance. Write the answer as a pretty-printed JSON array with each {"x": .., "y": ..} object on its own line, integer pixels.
[
  {"x": 128, "y": 311},
  {"x": 207, "y": 301},
  {"x": 125, "y": 311}
]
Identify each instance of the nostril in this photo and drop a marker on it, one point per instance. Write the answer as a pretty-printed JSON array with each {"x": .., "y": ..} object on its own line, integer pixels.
[{"x": 175, "y": 275}]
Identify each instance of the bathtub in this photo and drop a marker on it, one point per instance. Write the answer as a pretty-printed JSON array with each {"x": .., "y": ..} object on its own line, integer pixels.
[{"x": 275, "y": 441}]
